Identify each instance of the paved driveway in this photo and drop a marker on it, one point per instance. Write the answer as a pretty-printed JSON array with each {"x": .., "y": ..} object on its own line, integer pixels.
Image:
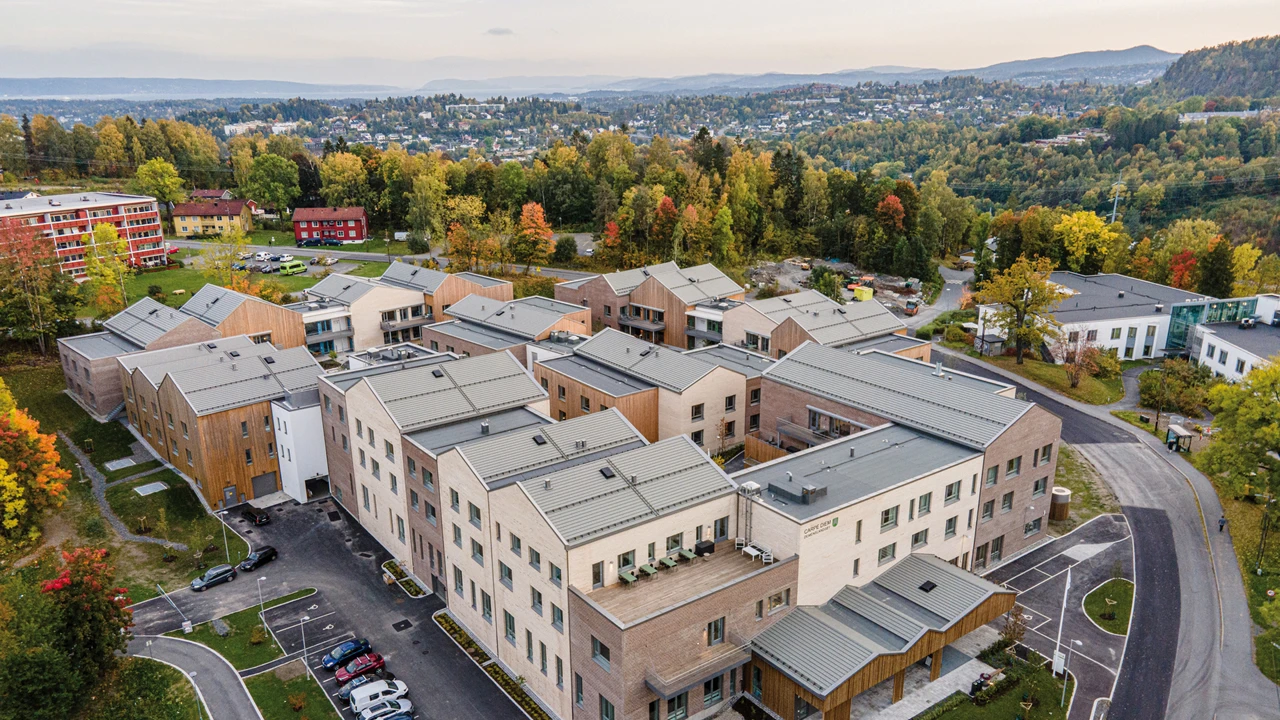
[
  {"x": 1093, "y": 552},
  {"x": 340, "y": 560},
  {"x": 221, "y": 689}
]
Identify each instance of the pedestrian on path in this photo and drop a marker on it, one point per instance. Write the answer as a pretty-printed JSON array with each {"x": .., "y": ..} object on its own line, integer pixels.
[{"x": 1222, "y": 522}]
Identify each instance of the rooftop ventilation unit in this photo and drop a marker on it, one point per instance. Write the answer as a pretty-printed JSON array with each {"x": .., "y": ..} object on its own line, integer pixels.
[
  {"x": 1159, "y": 307},
  {"x": 1121, "y": 294},
  {"x": 644, "y": 353},
  {"x": 546, "y": 484},
  {"x": 484, "y": 427},
  {"x": 211, "y": 346},
  {"x": 786, "y": 300},
  {"x": 235, "y": 353},
  {"x": 607, "y": 472},
  {"x": 437, "y": 373},
  {"x": 928, "y": 586}
]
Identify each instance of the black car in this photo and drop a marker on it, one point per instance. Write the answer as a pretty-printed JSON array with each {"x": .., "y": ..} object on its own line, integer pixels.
[
  {"x": 333, "y": 242},
  {"x": 258, "y": 558},
  {"x": 255, "y": 516},
  {"x": 214, "y": 576},
  {"x": 344, "y": 652}
]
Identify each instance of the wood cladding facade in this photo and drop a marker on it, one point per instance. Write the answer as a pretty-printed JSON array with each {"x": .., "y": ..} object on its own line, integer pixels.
[
  {"x": 779, "y": 692},
  {"x": 454, "y": 288},
  {"x": 639, "y": 408},
  {"x": 258, "y": 317}
]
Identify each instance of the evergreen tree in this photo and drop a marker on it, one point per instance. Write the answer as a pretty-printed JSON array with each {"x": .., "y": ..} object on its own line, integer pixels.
[{"x": 1217, "y": 277}]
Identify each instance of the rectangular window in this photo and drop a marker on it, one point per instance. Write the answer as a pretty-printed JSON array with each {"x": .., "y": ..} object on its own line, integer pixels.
[
  {"x": 1013, "y": 467},
  {"x": 400, "y": 528},
  {"x": 559, "y": 673},
  {"x": 1046, "y": 453},
  {"x": 535, "y": 559},
  {"x": 753, "y": 423},
  {"x": 755, "y": 396},
  {"x": 1031, "y": 528},
  {"x": 889, "y": 518},
  {"x": 413, "y": 469},
  {"x": 477, "y": 551},
  {"x": 486, "y": 606},
  {"x": 857, "y": 532},
  {"x": 730, "y": 428},
  {"x": 779, "y": 600},
  {"x": 952, "y": 493},
  {"x": 759, "y": 609},
  {"x": 696, "y": 413},
  {"x": 678, "y": 707},
  {"x": 454, "y": 500},
  {"x": 992, "y": 475},
  {"x": 457, "y": 535},
  {"x": 696, "y": 436},
  {"x": 585, "y": 403},
  {"x": 560, "y": 392},
  {"x": 184, "y": 430},
  {"x": 1040, "y": 487},
  {"x": 626, "y": 560},
  {"x": 413, "y": 500},
  {"x": 504, "y": 574},
  {"x": 431, "y": 513},
  {"x": 920, "y": 539},
  {"x": 542, "y": 656},
  {"x": 925, "y": 505},
  {"x": 713, "y": 690},
  {"x": 857, "y": 563},
  {"x": 557, "y": 617},
  {"x": 365, "y": 493},
  {"x": 516, "y": 546},
  {"x": 675, "y": 542},
  {"x": 395, "y": 484},
  {"x": 599, "y": 652},
  {"x": 248, "y": 456},
  {"x": 988, "y": 509},
  {"x": 720, "y": 528},
  {"x": 528, "y": 644},
  {"x": 169, "y": 417},
  {"x": 362, "y": 462},
  {"x": 389, "y": 450},
  {"x": 473, "y": 514},
  {"x": 428, "y": 479},
  {"x": 509, "y": 626},
  {"x": 555, "y": 574},
  {"x": 535, "y": 600},
  {"x": 1115, "y": 333},
  {"x": 888, "y": 553},
  {"x": 606, "y": 709},
  {"x": 1006, "y": 502},
  {"x": 715, "y": 632},
  {"x": 950, "y": 531},
  {"x": 730, "y": 403},
  {"x": 244, "y": 429},
  {"x": 577, "y": 689}
]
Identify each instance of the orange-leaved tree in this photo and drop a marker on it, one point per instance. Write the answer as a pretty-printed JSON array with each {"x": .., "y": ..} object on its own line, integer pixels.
[
  {"x": 32, "y": 480},
  {"x": 532, "y": 240}
]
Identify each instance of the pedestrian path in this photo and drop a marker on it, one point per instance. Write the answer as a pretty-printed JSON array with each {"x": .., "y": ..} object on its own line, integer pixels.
[{"x": 217, "y": 683}]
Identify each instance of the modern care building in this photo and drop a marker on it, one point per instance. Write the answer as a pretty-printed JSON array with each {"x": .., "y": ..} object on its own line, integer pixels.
[
  {"x": 1233, "y": 349},
  {"x": 67, "y": 221},
  {"x": 482, "y": 325}
]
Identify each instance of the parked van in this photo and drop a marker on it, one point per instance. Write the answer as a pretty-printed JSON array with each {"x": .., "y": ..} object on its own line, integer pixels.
[
  {"x": 366, "y": 696},
  {"x": 292, "y": 267}
]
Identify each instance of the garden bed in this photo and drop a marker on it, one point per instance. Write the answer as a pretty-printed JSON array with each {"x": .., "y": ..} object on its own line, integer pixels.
[
  {"x": 460, "y": 636},
  {"x": 1114, "y": 616},
  {"x": 402, "y": 578},
  {"x": 513, "y": 688}
]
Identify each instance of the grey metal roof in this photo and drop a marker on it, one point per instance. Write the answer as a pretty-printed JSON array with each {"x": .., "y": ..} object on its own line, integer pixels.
[
  {"x": 416, "y": 398},
  {"x": 829, "y": 322},
  {"x": 517, "y": 455},
  {"x": 246, "y": 380},
  {"x": 920, "y": 367},
  {"x": 736, "y": 359},
  {"x": 344, "y": 289},
  {"x": 575, "y": 284},
  {"x": 852, "y": 468},
  {"x": 888, "y": 343},
  {"x": 145, "y": 321},
  {"x": 482, "y": 280},
  {"x": 821, "y": 647},
  {"x": 1087, "y": 298},
  {"x": 934, "y": 404},
  {"x": 527, "y": 317},
  {"x": 581, "y": 504},
  {"x": 692, "y": 285},
  {"x": 95, "y": 346},
  {"x": 413, "y": 277},
  {"x": 154, "y": 364},
  {"x": 478, "y": 334},
  {"x": 68, "y": 202},
  {"x": 597, "y": 375},
  {"x": 344, "y": 379},
  {"x": 1261, "y": 340},
  {"x": 440, "y": 438},
  {"x": 659, "y": 365},
  {"x": 213, "y": 304}
]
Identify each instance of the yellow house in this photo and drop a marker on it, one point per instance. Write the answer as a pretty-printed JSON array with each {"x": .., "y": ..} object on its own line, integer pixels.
[{"x": 211, "y": 218}]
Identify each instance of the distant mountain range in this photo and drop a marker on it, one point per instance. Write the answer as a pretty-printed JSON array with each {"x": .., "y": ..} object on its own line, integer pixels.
[
  {"x": 176, "y": 88},
  {"x": 1105, "y": 66}
]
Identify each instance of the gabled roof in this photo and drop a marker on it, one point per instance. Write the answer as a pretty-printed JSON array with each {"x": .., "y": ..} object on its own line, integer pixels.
[
  {"x": 535, "y": 451},
  {"x": 155, "y": 364},
  {"x": 661, "y": 366},
  {"x": 736, "y": 359},
  {"x": 344, "y": 289},
  {"x": 247, "y": 379},
  {"x": 527, "y": 317},
  {"x": 413, "y": 277},
  {"x": 328, "y": 213},
  {"x": 206, "y": 209},
  {"x": 145, "y": 321},
  {"x": 691, "y": 285},
  {"x": 213, "y": 303},
  {"x": 483, "y": 280},
  {"x": 583, "y": 503},
  {"x": 478, "y": 334},
  {"x": 927, "y": 402},
  {"x": 208, "y": 194},
  {"x": 821, "y": 647},
  {"x": 432, "y": 394},
  {"x": 829, "y": 322},
  {"x": 100, "y": 345}
]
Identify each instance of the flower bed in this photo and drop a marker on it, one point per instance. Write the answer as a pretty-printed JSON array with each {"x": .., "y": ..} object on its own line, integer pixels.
[
  {"x": 514, "y": 689},
  {"x": 394, "y": 570},
  {"x": 409, "y": 585},
  {"x": 460, "y": 636}
]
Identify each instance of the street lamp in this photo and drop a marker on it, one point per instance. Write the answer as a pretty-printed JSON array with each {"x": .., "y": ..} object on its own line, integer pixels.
[
  {"x": 227, "y": 548},
  {"x": 303, "y": 626},
  {"x": 1066, "y": 671},
  {"x": 262, "y": 609}
]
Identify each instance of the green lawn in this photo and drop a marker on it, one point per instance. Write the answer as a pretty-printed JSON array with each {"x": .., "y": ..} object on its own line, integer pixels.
[
  {"x": 237, "y": 647},
  {"x": 187, "y": 279},
  {"x": 1118, "y": 590},
  {"x": 39, "y": 389},
  {"x": 1091, "y": 390},
  {"x": 1131, "y": 417},
  {"x": 272, "y": 692},
  {"x": 1039, "y": 685},
  {"x": 187, "y": 520},
  {"x": 369, "y": 269},
  {"x": 141, "y": 687},
  {"x": 123, "y": 473},
  {"x": 1089, "y": 496}
]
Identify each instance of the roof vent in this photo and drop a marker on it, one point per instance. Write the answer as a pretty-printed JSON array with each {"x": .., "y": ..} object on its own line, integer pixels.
[
  {"x": 853, "y": 452},
  {"x": 437, "y": 373},
  {"x": 539, "y": 440},
  {"x": 786, "y": 300},
  {"x": 211, "y": 346},
  {"x": 645, "y": 271},
  {"x": 484, "y": 427},
  {"x": 235, "y": 353},
  {"x": 1159, "y": 307},
  {"x": 789, "y": 477},
  {"x": 1121, "y": 294},
  {"x": 546, "y": 484},
  {"x": 937, "y": 369},
  {"x": 928, "y": 586},
  {"x": 233, "y": 367},
  {"x": 633, "y": 479},
  {"x": 607, "y": 471},
  {"x": 268, "y": 360},
  {"x": 840, "y": 310}
]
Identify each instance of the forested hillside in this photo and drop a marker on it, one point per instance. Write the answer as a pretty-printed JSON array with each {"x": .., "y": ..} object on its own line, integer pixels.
[{"x": 1250, "y": 68}]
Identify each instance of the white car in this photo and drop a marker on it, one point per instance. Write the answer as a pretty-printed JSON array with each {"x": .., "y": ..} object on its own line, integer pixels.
[
  {"x": 262, "y": 256},
  {"x": 331, "y": 261},
  {"x": 370, "y": 694},
  {"x": 286, "y": 258},
  {"x": 244, "y": 255},
  {"x": 387, "y": 708}
]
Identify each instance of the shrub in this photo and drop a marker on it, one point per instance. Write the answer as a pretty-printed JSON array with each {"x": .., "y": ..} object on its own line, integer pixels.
[
  {"x": 154, "y": 290},
  {"x": 954, "y": 334},
  {"x": 257, "y": 635},
  {"x": 297, "y": 701},
  {"x": 93, "y": 528},
  {"x": 1108, "y": 365},
  {"x": 418, "y": 245},
  {"x": 566, "y": 251}
]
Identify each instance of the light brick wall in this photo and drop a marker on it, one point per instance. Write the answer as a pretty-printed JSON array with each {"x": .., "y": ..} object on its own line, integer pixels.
[
  {"x": 364, "y": 411},
  {"x": 1037, "y": 428},
  {"x": 675, "y": 409}
]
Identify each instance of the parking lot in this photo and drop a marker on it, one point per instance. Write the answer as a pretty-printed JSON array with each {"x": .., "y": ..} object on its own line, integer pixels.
[{"x": 321, "y": 547}]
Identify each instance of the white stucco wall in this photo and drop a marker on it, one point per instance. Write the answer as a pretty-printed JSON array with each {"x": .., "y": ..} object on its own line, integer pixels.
[{"x": 299, "y": 437}]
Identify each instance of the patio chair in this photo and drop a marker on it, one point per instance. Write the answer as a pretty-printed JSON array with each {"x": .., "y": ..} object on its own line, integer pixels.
[
  {"x": 687, "y": 554},
  {"x": 667, "y": 563}
]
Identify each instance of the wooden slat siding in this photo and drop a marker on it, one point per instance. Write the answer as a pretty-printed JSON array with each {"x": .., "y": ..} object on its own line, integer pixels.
[
  {"x": 653, "y": 294},
  {"x": 787, "y": 337},
  {"x": 577, "y": 322},
  {"x": 640, "y": 409},
  {"x": 253, "y": 318},
  {"x": 919, "y": 352},
  {"x": 780, "y": 691},
  {"x": 453, "y": 288},
  {"x": 759, "y": 451}
]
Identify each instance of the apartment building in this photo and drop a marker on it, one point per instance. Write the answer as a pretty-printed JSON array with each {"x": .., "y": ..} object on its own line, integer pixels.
[
  {"x": 775, "y": 326},
  {"x": 482, "y": 325},
  {"x": 345, "y": 224},
  {"x": 211, "y": 410},
  {"x": 89, "y": 361},
  {"x": 192, "y": 219},
  {"x": 440, "y": 290},
  {"x": 345, "y": 313},
  {"x": 746, "y": 363},
  {"x": 661, "y": 391},
  {"x": 652, "y": 303},
  {"x": 384, "y": 426},
  {"x": 816, "y": 394},
  {"x": 67, "y": 221}
]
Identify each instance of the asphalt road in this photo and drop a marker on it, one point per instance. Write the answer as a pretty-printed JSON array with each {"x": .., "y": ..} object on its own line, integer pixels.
[
  {"x": 218, "y": 684},
  {"x": 1190, "y": 650},
  {"x": 948, "y": 299}
]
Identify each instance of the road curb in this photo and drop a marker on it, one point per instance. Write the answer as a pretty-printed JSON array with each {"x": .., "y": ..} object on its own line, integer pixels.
[{"x": 220, "y": 657}]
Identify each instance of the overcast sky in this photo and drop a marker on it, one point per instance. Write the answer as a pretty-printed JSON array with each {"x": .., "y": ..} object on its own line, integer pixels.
[{"x": 409, "y": 42}]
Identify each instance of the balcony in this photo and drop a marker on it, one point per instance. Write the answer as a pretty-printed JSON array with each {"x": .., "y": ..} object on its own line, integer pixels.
[
  {"x": 641, "y": 324},
  {"x": 703, "y": 334},
  {"x": 393, "y": 325},
  {"x": 683, "y": 672},
  {"x": 329, "y": 335},
  {"x": 804, "y": 433}
]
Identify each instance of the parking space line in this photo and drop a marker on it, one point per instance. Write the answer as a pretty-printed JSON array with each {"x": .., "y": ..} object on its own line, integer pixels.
[{"x": 1076, "y": 653}]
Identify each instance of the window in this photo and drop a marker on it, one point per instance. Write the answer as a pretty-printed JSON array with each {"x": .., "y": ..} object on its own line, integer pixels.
[
  {"x": 504, "y": 574},
  {"x": 345, "y": 447},
  {"x": 509, "y": 626},
  {"x": 342, "y": 415},
  {"x": 952, "y": 493},
  {"x": 516, "y": 546},
  {"x": 560, "y": 392},
  {"x": 606, "y": 709},
  {"x": 779, "y": 600},
  {"x": 597, "y": 575},
  {"x": 169, "y": 417},
  {"x": 857, "y": 532},
  {"x": 413, "y": 500},
  {"x": 362, "y": 462},
  {"x": 988, "y": 509},
  {"x": 1006, "y": 502},
  {"x": 1091, "y": 335},
  {"x": 599, "y": 652},
  {"x": 486, "y": 606},
  {"x": 454, "y": 500},
  {"x": 555, "y": 574},
  {"x": 730, "y": 403},
  {"x": 1115, "y": 333},
  {"x": 626, "y": 560},
  {"x": 920, "y": 539},
  {"x": 244, "y": 429},
  {"x": 675, "y": 542},
  {"x": 1040, "y": 487},
  {"x": 992, "y": 475},
  {"x": 535, "y": 600},
  {"x": 184, "y": 430},
  {"x": 1240, "y": 366},
  {"x": 888, "y": 553},
  {"x": 428, "y": 479},
  {"x": 608, "y": 311},
  {"x": 457, "y": 535},
  {"x": 457, "y": 584},
  {"x": 997, "y": 549},
  {"x": 1013, "y": 468},
  {"x": 359, "y": 427},
  {"x": 477, "y": 551},
  {"x": 1031, "y": 528},
  {"x": 950, "y": 531},
  {"x": 1046, "y": 453},
  {"x": 562, "y": 416},
  {"x": 557, "y": 617},
  {"x": 696, "y": 413},
  {"x": 577, "y": 689},
  {"x": 713, "y": 690},
  {"x": 585, "y": 403},
  {"x": 889, "y": 518},
  {"x": 542, "y": 657},
  {"x": 757, "y": 682},
  {"x": 857, "y": 564},
  {"x": 395, "y": 484},
  {"x": 266, "y": 423},
  {"x": 400, "y": 532},
  {"x": 697, "y": 437},
  {"x": 365, "y": 493},
  {"x": 559, "y": 673},
  {"x": 753, "y": 423},
  {"x": 473, "y": 513},
  {"x": 248, "y": 456},
  {"x": 189, "y": 458},
  {"x": 720, "y": 528},
  {"x": 925, "y": 505},
  {"x": 389, "y": 450},
  {"x": 759, "y": 609},
  {"x": 730, "y": 428},
  {"x": 431, "y": 513},
  {"x": 678, "y": 707},
  {"x": 715, "y": 632},
  {"x": 755, "y": 396},
  {"x": 376, "y": 469},
  {"x": 535, "y": 559},
  {"x": 545, "y": 384},
  {"x": 413, "y": 468}
]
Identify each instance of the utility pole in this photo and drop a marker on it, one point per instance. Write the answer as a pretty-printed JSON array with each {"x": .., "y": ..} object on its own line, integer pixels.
[
  {"x": 1266, "y": 527},
  {"x": 1115, "y": 202}
]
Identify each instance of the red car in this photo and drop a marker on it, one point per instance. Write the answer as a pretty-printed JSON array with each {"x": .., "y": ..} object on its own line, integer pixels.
[{"x": 362, "y": 665}]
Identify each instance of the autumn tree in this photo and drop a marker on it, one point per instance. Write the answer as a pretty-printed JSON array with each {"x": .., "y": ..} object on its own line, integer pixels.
[
  {"x": 1077, "y": 354},
  {"x": 272, "y": 182},
  {"x": 1086, "y": 239},
  {"x": 107, "y": 267},
  {"x": 1183, "y": 269},
  {"x": 33, "y": 480},
  {"x": 159, "y": 179},
  {"x": 37, "y": 301},
  {"x": 219, "y": 260},
  {"x": 1024, "y": 299},
  {"x": 426, "y": 215},
  {"x": 94, "y": 618},
  {"x": 531, "y": 242},
  {"x": 344, "y": 180}
]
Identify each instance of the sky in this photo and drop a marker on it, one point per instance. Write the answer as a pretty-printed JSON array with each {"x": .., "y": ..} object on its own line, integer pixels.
[{"x": 406, "y": 43}]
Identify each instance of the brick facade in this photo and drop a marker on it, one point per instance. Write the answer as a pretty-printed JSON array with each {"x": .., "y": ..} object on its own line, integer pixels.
[{"x": 1034, "y": 430}]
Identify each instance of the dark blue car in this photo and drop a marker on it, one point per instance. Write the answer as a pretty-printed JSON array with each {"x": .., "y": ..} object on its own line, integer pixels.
[
  {"x": 344, "y": 652},
  {"x": 345, "y": 692}
]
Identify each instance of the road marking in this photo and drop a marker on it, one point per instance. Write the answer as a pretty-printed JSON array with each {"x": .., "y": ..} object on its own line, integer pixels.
[{"x": 1077, "y": 653}]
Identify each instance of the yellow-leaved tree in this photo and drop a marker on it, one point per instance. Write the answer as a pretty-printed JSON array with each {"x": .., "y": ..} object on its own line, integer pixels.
[
  {"x": 1087, "y": 239},
  {"x": 106, "y": 260},
  {"x": 1024, "y": 299}
]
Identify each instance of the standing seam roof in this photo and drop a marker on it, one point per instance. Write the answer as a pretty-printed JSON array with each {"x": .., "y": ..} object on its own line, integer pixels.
[
  {"x": 145, "y": 321},
  {"x": 659, "y": 365}
]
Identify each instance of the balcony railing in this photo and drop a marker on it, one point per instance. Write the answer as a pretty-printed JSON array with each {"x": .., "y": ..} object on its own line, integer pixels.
[
  {"x": 804, "y": 433},
  {"x": 393, "y": 325},
  {"x": 329, "y": 335},
  {"x": 641, "y": 324},
  {"x": 702, "y": 334},
  {"x": 670, "y": 681}
]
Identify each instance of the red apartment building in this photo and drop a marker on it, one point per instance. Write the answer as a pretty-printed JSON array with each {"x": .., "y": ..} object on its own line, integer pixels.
[
  {"x": 65, "y": 220},
  {"x": 346, "y": 224}
]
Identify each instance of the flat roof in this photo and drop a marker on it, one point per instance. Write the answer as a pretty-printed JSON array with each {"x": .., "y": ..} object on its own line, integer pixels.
[
  {"x": 736, "y": 359},
  {"x": 1261, "y": 340},
  {"x": 597, "y": 375},
  {"x": 1088, "y": 298},
  {"x": 478, "y": 334},
  {"x": 443, "y": 437},
  {"x": 888, "y": 343},
  {"x": 344, "y": 379},
  {"x": 851, "y": 469},
  {"x": 534, "y": 451},
  {"x": 96, "y": 346},
  {"x": 394, "y": 353},
  {"x": 68, "y": 202}
]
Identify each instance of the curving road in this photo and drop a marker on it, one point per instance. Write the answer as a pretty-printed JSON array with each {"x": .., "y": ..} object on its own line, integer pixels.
[
  {"x": 218, "y": 684},
  {"x": 948, "y": 299},
  {"x": 1190, "y": 650}
]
